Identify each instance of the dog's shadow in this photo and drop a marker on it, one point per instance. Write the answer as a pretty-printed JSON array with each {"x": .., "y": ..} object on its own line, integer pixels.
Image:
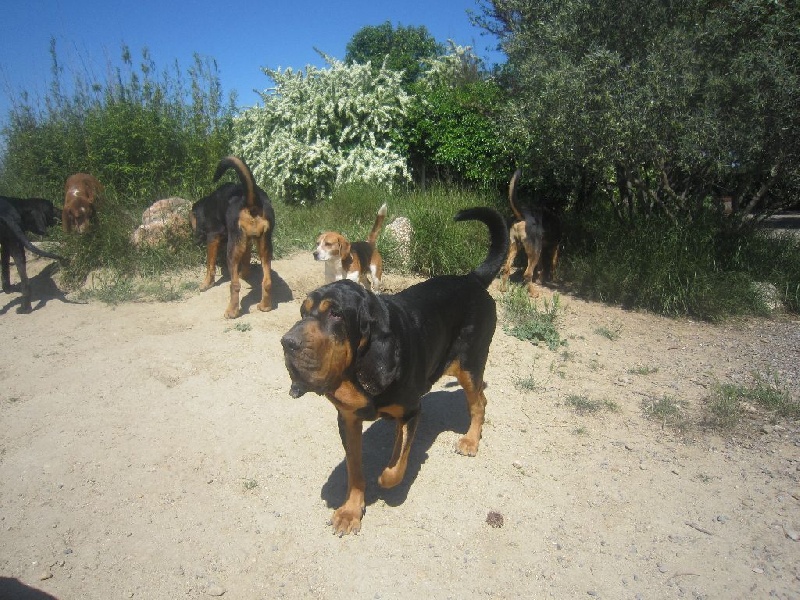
[
  {"x": 14, "y": 588},
  {"x": 43, "y": 290},
  {"x": 280, "y": 293},
  {"x": 441, "y": 411}
]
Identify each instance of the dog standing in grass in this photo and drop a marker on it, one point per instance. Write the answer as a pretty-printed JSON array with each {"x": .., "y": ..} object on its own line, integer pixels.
[
  {"x": 538, "y": 232},
  {"x": 357, "y": 261}
]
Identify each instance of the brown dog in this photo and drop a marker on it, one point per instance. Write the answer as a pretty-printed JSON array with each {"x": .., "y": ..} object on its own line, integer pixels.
[
  {"x": 539, "y": 234},
  {"x": 376, "y": 355},
  {"x": 82, "y": 195},
  {"x": 357, "y": 261}
]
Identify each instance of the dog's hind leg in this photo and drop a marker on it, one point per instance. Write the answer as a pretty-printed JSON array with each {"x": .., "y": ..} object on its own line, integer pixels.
[
  {"x": 236, "y": 248},
  {"x": 476, "y": 403},
  {"x": 265, "y": 254},
  {"x": 212, "y": 247},
  {"x": 506, "y": 272},
  {"x": 533, "y": 248}
]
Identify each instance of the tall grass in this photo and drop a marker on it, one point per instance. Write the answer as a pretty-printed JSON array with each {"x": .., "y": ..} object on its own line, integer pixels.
[
  {"x": 143, "y": 132},
  {"x": 706, "y": 269},
  {"x": 439, "y": 245}
]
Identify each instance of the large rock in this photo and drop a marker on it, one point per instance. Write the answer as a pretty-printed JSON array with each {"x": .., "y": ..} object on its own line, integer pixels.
[{"x": 165, "y": 219}]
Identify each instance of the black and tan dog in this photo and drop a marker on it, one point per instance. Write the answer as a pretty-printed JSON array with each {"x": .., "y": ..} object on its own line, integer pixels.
[
  {"x": 538, "y": 233},
  {"x": 240, "y": 213},
  {"x": 17, "y": 216},
  {"x": 357, "y": 261},
  {"x": 376, "y": 355}
]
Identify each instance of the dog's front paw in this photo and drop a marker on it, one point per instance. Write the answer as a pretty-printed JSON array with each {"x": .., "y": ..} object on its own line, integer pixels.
[
  {"x": 467, "y": 446},
  {"x": 232, "y": 313},
  {"x": 346, "y": 520},
  {"x": 265, "y": 307},
  {"x": 206, "y": 285}
]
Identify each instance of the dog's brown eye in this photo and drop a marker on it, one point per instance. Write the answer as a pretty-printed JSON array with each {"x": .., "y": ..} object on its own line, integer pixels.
[{"x": 334, "y": 313}]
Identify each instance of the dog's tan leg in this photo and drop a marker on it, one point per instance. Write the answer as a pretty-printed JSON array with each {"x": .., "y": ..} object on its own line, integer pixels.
[
  {"x": 211, "y": 264},
  {"x": 512, "y": 254},
  {"x": 266, "y": 280},
  {"x": 534, "y": 251},
  {"x": 234, "y": 258},
  {"x": 553, "y": 264},
  {"x": 244, "y": 263},
  {"x": 476, "y": 403},
  {"x": 347, "y": 518},
  {"x": 396, "y": 469}
]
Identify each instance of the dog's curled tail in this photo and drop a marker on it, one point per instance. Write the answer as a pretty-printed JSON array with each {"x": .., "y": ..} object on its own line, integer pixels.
[
  {"x": 14, "y": 227},
  {"x": 498, "y": 241},
  {"x": 512, "y": 194},
  {"x": 376, "y": 227},
  {"x": 244, "y": 173}
]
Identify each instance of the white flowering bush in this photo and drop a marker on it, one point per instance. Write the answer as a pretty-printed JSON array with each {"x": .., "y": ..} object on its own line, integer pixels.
[{"x": 324, "y": 127}]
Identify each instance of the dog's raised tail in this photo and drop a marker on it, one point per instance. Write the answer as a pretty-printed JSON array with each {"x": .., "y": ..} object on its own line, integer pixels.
[
  {"x": 376, "y": 227},
  {"x": 498, "y": 241},
  {"x": 244, "y": 173},
  {"x": 512, "y": 194}
]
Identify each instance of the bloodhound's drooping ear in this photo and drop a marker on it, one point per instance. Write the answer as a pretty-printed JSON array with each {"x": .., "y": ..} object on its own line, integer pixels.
[{"x": 378, "y": 355}]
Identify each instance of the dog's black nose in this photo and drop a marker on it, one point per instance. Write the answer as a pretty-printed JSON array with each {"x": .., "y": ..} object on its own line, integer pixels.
[
  {"x": 290, "y": 342},
  {"x": 316, "y": 254}
]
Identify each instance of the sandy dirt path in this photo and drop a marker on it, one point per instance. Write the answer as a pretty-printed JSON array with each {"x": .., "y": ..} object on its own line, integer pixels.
[{"x": 151, "y": 450}]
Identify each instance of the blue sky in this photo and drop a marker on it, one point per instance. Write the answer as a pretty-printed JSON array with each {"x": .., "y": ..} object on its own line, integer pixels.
[{"x": 241, "y": 36}]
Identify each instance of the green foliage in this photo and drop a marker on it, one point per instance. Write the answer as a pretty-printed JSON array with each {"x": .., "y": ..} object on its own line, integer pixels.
[
  {"x": 323, "y": 128},
  {"x": 583, "y": 405},
  {"x": 439, "y": 244},
  {"x": 705, "y": 270},
  {"x": 656, "y": 107},
  {"x": 727, "y": 404},
  {"x": 454, "y": 128},
  {"x": 106, "y": 252},
  {"x": 403, "y": 49},
  {"x": 525, "y": 321},
  {"x": 143, "y": 134},
  {"x": 669, "y": 411}
]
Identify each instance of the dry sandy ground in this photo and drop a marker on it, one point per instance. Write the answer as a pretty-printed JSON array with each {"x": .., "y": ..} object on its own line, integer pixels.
[{"x": 152, "y": 451}]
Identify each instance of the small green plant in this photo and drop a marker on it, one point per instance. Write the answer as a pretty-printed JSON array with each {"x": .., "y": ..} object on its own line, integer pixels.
[
  {"x": 643, "y": 370},
  {"x": 726, "y": 405},
  {"x": 525, "y": 321},
  {"x": 241, "y": 327},
  {"x": 580, "y": 431},
  {"x": 669, "y": 411},
  {"x": 250, "y": 484},
  {"x": 608, "y": 333},
  {"x": 527, "y": 384},
  {"x": 584, "y": 405}
]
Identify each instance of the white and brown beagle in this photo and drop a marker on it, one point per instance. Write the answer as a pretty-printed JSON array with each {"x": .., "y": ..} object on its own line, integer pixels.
[{"x": 358, "y": 261}]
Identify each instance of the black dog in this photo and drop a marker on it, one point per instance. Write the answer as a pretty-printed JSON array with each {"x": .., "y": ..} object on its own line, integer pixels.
[
  {"x": 16, "y": 217},
  {"x": 239, "y": 213},
  {"x": 376, "y": 355}
]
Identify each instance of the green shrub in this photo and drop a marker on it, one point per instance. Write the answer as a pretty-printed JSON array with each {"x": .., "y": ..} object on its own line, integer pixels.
[{"x": 706, "y": 269}]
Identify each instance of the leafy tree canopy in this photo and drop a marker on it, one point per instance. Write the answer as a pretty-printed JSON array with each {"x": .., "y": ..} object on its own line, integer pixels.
[
  {"x": 658, "y": 106},
  {"x": 403, "y": 48}
]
